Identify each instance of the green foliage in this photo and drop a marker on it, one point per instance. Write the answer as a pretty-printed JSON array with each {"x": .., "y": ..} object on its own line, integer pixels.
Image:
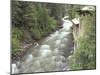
[
  {"x": 72, "y": 11},
  {"x": 15, "y": 46},
  {"x": 85, "y": 54},
  {"x": 52, "y": 23},
  {"x": 36, "y": 33},
  {"x": 17, "y": 33},
  {"x": 16, "y": 40},
  {"x": 32, "y": 21}
]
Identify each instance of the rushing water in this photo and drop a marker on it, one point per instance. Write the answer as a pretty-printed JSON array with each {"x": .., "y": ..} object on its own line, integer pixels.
[{"x": 50, "y": 55}]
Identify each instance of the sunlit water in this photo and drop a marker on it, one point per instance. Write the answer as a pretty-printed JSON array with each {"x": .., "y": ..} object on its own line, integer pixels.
[{"x": 50, "y": 55}]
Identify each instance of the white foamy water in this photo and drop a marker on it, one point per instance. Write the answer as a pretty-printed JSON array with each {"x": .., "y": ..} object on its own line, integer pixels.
[
  {"x": 67, "y": 24},
  {"x": 49, "y": 55},
  {"x": 45, "y": 52},
  {"x": 29, "y": 58},
  {"x": 45, "y": 47},
  {"x": 57, "y": 42},
  {"x": 63, "y": 34},
  {"x": 62, "y": 45}
]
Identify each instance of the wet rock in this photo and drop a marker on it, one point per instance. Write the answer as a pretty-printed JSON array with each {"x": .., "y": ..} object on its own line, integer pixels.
[{"x": 45, "y": 47}]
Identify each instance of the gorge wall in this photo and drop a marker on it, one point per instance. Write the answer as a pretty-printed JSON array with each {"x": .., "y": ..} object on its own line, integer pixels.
[{"x": 84, "y": 33}]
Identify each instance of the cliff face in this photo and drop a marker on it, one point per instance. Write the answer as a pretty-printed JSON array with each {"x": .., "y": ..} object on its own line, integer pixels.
[
  {"x": 76, "y": 30},
  {"x": 81, "y": 23},
  {"x": 80, "y": 29},
  {"x": 84, "y": 33}
]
